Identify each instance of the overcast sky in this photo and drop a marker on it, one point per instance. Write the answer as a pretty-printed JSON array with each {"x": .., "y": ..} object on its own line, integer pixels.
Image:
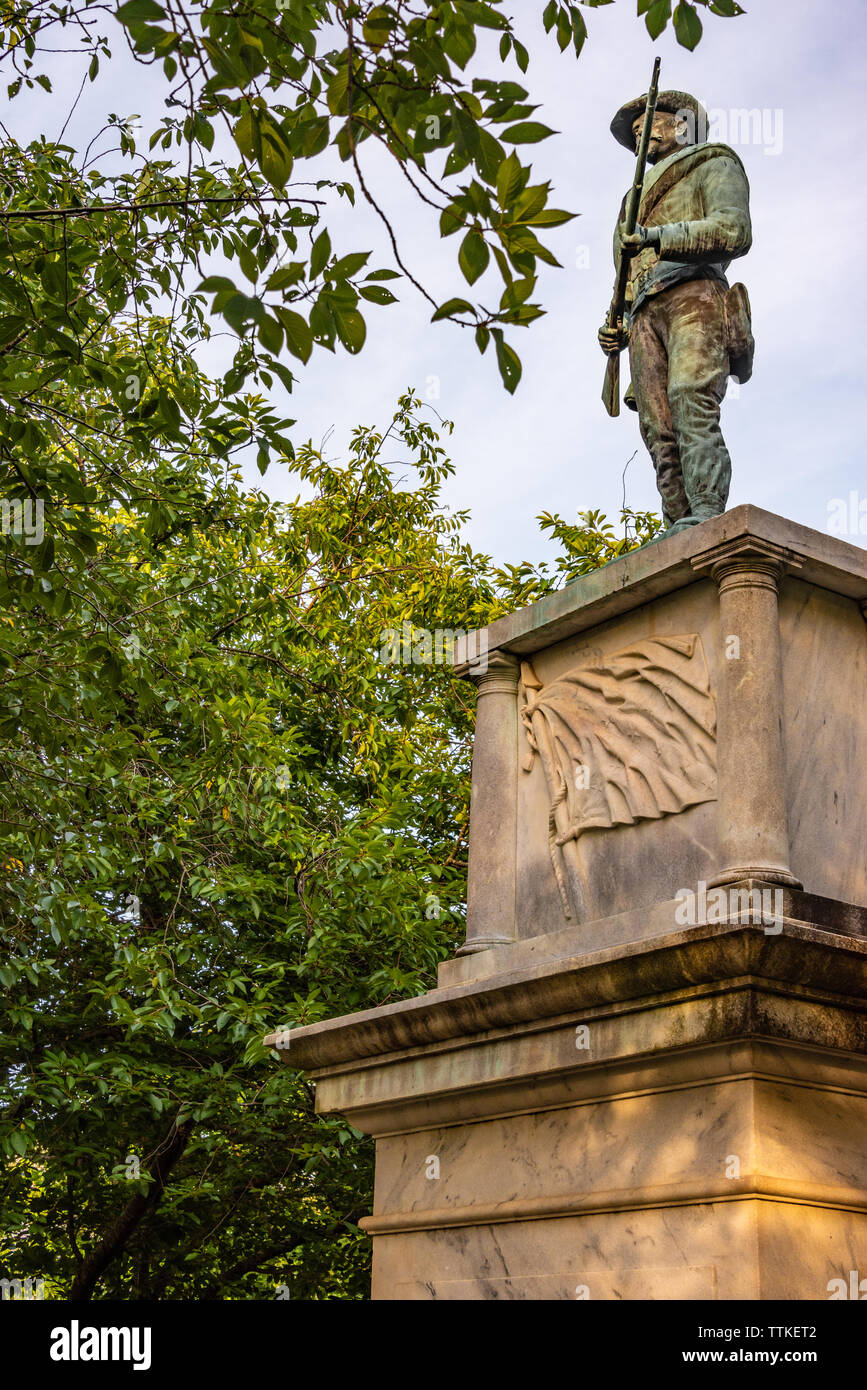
[{"x": 795, "y": 431}]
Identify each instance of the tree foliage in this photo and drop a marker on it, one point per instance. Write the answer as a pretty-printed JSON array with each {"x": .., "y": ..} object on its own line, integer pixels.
[{"x": 221, "y": 811}]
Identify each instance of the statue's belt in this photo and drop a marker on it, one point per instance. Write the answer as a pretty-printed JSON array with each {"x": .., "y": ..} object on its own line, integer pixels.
[{"x": 650, "y": 283}]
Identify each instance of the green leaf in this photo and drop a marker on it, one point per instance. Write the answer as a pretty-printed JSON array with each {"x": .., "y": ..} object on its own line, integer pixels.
[
  {"x": 452, "y": 219},
  {"x": 687, "y": 25},
  {"x": 299, "y": 337},
  {"x": 531, "y": 201},
  {"x": 139, "y": 12},
  {"x": 377, "y": 26},
  {"x": 508, "y": 362},
  {"x": 44, "y": 557},
  {"x": 551, "y": 217},
  {"x": 451, "y": 306},
  {"x": 247, "y": 136},
  {"x": 314, "y": 136},
  {"x": 85, "y": 541},
  {"x": 351, "y": 329},
  {"x": 517, "y": 293},
  {"x": 322, "y": 323},
  {"x": 214, "y": 283},
  {"x": 527, "y": 132},
  {"x": 483, "y": 15},
  {"x": 286, "y": 377},
  {"x": 460, "y": 44},
  {"x": 336, "y": 95},
  {"x": 270, "y": 334},
  {"x": 276, "y": 159},
  {"x": 489, "y": 157},
  {"x": 377, "y": 294},
  {"x": 508, "y": 180},
  {"x": 657, "y": 17},
  {"x": 240, "y": 309},
  {"x": 473, "y": 256},
  {"x": 348, "y": 266},
  {"x": 320, "y": 254},
  {"x": 579, "y": 31},
  {"x": 466, "y": 132},
  {"x": 203, "y": 130},
  {"x": 286, "y": 275},
  {"x": 455, "y": 163}
]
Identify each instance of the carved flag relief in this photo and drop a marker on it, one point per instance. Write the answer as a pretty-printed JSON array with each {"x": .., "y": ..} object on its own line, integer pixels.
[{"x": 626, "y": 738}]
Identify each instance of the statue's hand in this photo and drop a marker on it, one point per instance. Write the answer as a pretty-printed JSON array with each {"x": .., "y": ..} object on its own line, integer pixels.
[
  {"x": 637, "y": 240},
  {"x": 612, "y": 339}
]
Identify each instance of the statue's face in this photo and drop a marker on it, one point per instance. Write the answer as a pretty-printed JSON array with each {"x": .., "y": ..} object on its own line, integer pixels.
[{"x": 666, "y": 135}]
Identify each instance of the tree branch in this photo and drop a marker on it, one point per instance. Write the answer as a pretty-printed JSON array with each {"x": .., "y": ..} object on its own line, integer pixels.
[{"x": 115, "y": 1239}]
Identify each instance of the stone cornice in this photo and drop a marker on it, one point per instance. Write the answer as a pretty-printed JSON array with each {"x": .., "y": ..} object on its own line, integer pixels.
[
  {"x": 666, "y": 566},
  {"x": 802, "y": 956}
]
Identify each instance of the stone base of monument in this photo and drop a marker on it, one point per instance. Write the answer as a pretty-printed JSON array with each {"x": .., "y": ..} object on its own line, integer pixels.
[{"x": 645, "y": 1075}]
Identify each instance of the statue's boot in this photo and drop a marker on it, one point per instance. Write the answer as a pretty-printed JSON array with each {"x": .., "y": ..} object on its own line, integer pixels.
[{"x": 702, "y": 512}]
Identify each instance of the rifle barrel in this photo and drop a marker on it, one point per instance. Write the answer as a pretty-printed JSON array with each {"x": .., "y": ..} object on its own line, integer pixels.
[
  {"x": 615, "y": 313},
  {"x": 611, "y": 388}
]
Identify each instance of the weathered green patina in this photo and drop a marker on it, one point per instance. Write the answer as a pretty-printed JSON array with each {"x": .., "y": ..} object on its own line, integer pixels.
[{"x": 686, "y": 330}]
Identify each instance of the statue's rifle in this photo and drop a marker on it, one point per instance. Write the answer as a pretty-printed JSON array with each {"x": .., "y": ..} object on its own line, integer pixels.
[{"x": 611, "y": 387}]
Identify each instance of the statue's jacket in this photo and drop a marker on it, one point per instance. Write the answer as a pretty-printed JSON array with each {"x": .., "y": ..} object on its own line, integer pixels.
[{"x": 700, "y": 197}]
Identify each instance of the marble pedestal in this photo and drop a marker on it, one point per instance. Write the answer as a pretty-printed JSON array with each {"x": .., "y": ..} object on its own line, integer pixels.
[{"x": 644, "y": 1075}]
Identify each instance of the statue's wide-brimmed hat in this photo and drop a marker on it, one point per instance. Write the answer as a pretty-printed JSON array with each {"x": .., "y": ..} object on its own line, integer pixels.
[{"x": 675, "y": 102}]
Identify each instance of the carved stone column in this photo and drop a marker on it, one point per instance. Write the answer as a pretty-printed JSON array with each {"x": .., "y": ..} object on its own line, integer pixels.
[
  {"x": 494, "y": 805},
  {"x": 753, "y": 821}
]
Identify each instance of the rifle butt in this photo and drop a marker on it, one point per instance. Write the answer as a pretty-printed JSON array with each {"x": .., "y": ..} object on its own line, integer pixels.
[{"x": 611, "y": 385}]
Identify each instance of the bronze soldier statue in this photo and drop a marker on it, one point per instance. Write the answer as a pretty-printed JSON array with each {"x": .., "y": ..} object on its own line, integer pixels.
[{"x": 686, "y": 330}]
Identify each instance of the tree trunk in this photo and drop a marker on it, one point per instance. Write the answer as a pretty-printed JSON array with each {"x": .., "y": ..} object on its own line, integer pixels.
[{"x": 115, "y": 1239}]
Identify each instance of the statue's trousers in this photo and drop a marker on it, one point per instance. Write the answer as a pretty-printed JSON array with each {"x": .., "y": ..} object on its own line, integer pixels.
[{"x": 680, "y": 365}]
